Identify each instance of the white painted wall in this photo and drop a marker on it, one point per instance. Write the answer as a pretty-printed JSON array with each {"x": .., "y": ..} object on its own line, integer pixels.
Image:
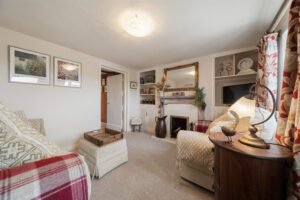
[{"x": 68, "y": 112}]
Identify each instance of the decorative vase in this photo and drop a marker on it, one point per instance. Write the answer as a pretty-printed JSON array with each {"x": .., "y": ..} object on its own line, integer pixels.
[
  {"x": 203, "y": 106},
  {"x": 160, "y": 129}
]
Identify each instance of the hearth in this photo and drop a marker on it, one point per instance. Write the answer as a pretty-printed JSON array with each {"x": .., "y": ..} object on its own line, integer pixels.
[{"x": 178, "y": 123}]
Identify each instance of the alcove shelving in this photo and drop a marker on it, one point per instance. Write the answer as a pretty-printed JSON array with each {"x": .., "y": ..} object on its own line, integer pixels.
[{"x": 147, "y": 87}]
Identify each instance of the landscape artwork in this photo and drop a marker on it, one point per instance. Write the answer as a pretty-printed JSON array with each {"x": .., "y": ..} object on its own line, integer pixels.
[
  {"x": 67, "y": 73},
  {"x": 28, "y": 66}
]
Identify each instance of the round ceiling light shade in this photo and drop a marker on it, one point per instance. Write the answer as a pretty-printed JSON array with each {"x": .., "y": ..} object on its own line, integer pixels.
[{"x": 136, "y": 23}]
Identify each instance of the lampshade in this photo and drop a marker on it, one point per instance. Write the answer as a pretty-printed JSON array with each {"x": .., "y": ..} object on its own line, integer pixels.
[{"x": 244, "y": 107}]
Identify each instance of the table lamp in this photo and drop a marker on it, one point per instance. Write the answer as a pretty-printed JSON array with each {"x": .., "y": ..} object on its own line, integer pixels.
[{"x": 245, "y": 107}]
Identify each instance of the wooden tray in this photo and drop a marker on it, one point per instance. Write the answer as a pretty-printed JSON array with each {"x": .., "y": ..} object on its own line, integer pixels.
[{"x": 101, "y": 137}]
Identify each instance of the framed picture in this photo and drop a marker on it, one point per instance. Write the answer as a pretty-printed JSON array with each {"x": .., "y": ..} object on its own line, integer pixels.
[
  {"x": 67, "y": 73},
  {"x": 27, "y": 66},
  {"x": 133, "y": 85}
]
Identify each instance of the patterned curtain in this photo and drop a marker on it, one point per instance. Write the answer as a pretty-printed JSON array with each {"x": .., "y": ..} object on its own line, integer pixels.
[
  {"x": 288, "y": 130},
  {"x": 267, "y": 69}
]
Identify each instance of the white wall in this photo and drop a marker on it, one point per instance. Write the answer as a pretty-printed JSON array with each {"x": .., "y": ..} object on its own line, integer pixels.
[{"x": 68, "y": 112}]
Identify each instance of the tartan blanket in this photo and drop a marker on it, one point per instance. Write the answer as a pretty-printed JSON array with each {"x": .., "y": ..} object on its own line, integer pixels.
[{"x": 55, "y": 178}]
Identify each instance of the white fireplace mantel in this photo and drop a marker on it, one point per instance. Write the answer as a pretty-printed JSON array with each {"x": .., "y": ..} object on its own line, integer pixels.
[{"x": 177, "y": 100}]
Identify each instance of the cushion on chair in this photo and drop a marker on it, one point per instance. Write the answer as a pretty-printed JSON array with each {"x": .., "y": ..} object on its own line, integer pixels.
[
  {"x": 22, "y": 116},
  {"x": 37, "y": 124},
  {"x": 227, "y": 119},
  {"x": 136, "y": 121},
  {"x": 24, "y": 129},
  {"x": 18, "y": 149}
]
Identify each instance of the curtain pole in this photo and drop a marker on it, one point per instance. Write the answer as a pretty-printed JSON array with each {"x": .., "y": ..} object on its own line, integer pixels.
[{"x": 282, "y": 11}]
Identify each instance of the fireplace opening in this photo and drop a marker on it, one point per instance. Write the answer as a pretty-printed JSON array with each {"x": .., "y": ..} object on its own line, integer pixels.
[{"x": 178, "y": 123}]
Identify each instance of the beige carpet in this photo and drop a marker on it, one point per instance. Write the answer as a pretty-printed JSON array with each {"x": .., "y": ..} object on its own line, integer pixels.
[{"x": 149, "y": 174}]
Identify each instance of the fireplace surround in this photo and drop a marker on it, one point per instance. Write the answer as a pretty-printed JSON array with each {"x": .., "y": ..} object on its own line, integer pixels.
[{"x": 178, "y": 123}]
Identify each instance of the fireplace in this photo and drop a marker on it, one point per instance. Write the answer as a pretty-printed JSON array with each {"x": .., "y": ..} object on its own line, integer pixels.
[{"x": 178, "y": 123}]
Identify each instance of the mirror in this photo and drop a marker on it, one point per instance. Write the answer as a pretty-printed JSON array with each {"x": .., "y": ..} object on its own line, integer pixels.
[{"x": 182, "y": 78}]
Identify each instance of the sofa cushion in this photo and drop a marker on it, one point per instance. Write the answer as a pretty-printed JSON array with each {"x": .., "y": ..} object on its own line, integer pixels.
[
  {"x": 17, "y": 149},
  {"x": 24, "y": 129},
  {"x": 227, "y": 119},
  {"x": 37, "y": 124},
  {"x": 22, "y": 116}
]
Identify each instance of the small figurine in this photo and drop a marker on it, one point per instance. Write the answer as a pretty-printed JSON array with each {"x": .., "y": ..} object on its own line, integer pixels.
[{"x": 228, "y": 132}]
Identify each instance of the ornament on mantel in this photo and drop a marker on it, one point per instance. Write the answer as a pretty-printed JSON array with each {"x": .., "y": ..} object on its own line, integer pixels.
[{"x": 161, "y": 86}]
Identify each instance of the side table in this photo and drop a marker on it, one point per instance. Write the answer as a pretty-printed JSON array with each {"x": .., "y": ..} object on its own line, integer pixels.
[{"x": 244, "y": 172}]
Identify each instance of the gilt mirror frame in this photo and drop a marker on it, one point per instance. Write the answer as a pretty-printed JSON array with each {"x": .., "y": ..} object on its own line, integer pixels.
[{"x": 195, "y": 65}]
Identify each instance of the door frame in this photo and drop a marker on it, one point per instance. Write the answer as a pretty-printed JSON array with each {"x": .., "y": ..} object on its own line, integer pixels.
[{"x": 125, "y": 94}]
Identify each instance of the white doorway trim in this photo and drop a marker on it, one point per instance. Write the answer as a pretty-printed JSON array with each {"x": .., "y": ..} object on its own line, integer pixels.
[{"x": 125, "y": 90}]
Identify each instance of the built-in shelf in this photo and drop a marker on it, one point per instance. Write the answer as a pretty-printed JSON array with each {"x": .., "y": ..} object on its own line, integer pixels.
[
  {"x": 178, "y": 100},
  {"x": 147, "y": 87},
  {"x": 148, "y": 84},
  {"x": 177, "y": 97},
  {"x": 234, "y": 76},
  {"x": 147, "y": 104}
]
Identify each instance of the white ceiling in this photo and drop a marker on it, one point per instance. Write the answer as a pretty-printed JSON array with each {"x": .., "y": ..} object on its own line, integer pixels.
[{"x": 183, "y": 28}]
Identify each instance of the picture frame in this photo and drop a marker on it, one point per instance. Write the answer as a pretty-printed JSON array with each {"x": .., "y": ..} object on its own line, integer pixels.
[
  {"x": 67, "y": 73},
  {"x": 26, "y": 66},
  {"x": 133, "y": 85}
]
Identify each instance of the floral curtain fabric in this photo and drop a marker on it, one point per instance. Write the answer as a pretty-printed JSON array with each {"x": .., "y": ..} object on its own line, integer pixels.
[
  {"x": 288, "y": 130},
  {"x": 267, "y": 69}
]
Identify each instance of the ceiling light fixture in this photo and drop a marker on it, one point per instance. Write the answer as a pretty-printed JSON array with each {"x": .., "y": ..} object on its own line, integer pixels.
[{"x": 136, "y": 23}]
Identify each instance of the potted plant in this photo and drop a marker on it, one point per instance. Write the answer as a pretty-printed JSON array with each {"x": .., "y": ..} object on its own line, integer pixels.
[{"x": 199, "y": 99}]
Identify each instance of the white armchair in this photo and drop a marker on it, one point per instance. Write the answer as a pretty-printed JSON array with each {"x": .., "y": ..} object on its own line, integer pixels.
[{"x": 195, "y": 158}]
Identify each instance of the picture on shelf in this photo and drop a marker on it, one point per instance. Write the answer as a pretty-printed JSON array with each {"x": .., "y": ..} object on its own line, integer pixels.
[
  {"x": 224, "y": 66},
  {"x": 28, "y": 66},
  {"x": 246, "y": 62},
  {"x": 245, "y": 66}
]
